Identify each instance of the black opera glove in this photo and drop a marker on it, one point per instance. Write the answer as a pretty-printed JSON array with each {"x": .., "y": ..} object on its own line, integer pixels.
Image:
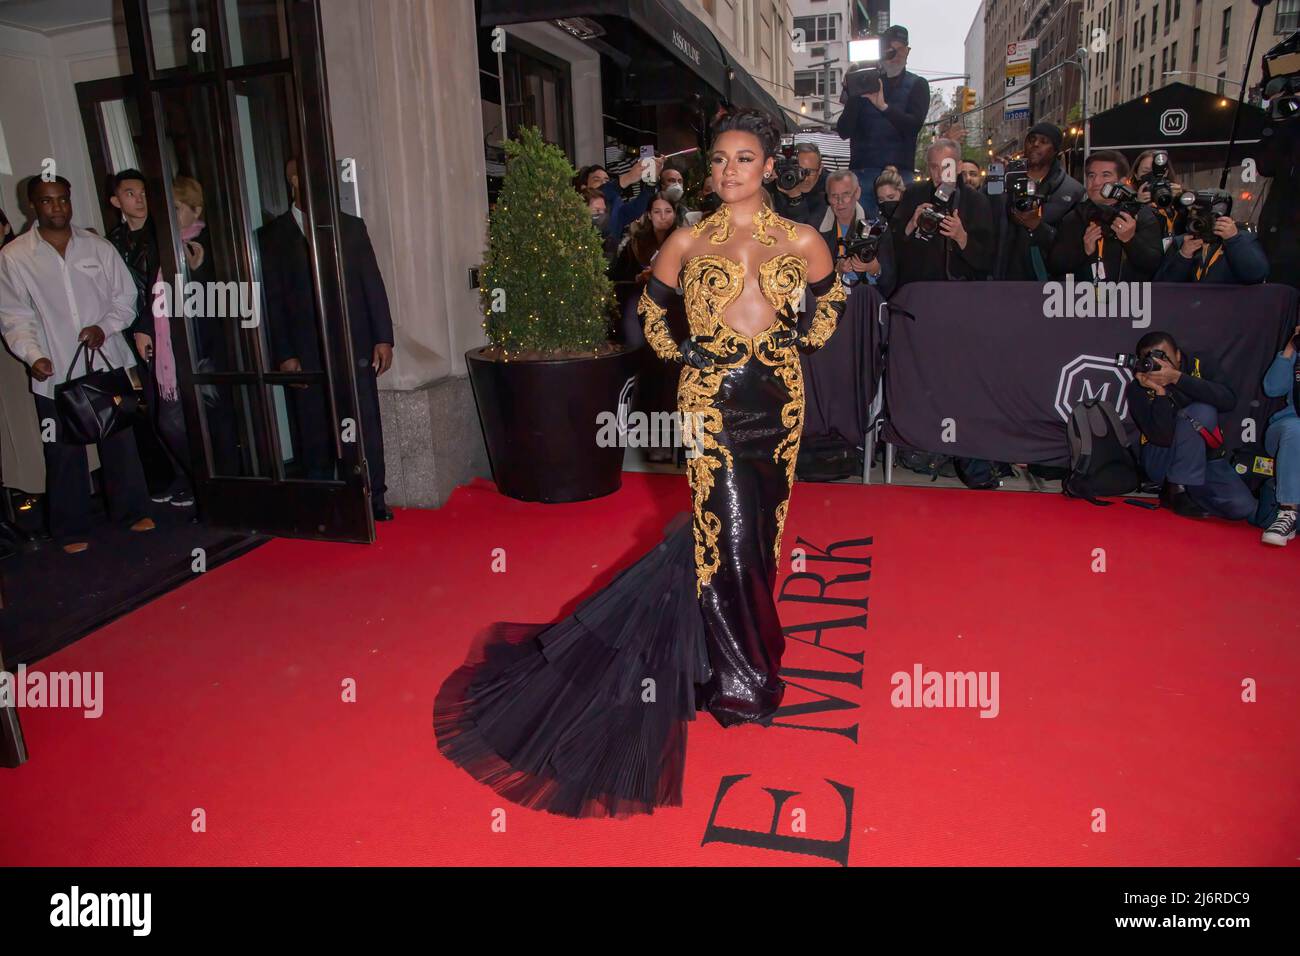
[
  {"x": 652, "y": 307},
  {"x": 831, "y": 300}
]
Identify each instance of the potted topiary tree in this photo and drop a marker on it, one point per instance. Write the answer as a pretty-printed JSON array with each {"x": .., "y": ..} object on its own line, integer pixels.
[{"x": 549, "y": 369}]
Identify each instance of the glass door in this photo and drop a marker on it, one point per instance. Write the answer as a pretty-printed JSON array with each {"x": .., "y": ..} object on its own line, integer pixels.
[{"x": 235, "y": 144}]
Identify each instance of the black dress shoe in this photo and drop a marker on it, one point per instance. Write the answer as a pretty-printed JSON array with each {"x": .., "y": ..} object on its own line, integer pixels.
[
  {"x": 1177, "y": 500},
  {"x": 383, "y": 513}
]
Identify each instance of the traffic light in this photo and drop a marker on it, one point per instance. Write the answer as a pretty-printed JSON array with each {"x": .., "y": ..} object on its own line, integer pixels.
[{"x": 967, "y": 99}]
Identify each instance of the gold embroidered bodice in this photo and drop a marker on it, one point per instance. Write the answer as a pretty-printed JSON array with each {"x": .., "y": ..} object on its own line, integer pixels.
[{"x": 711, "y": 282}]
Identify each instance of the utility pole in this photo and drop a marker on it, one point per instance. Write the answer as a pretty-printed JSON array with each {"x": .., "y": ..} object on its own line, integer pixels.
[{"x": 826, "y": 86}]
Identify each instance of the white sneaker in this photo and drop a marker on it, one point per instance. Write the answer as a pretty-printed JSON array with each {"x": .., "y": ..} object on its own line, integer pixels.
[{"x": 1282, "y": 529}]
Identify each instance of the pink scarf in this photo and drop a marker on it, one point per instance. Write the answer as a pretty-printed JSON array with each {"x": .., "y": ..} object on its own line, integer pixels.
[{"x": 163, "y": 357}]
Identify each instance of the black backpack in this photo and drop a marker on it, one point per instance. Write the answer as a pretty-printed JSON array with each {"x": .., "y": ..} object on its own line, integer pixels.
[{"x": 1101, "y": 459}]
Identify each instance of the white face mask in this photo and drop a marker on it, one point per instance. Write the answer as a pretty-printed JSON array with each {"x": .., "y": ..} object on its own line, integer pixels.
[{"x": 673, "y": 192}]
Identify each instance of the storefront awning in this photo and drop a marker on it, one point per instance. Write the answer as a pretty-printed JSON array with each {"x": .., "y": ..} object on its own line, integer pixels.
[
  {"x": 670, "y": 25},
  {"x": 1188, "y": 122}
]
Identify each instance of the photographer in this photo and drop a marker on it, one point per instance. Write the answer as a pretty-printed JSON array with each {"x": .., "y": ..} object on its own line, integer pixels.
[
  {"x": 1176, "y": 406},
  {"x": 806, "y": 201},
  {"x": 843, "y": 224},
  {"x": 937, "y": 240},
  {"x": 1104, "y": 238},
  {"x": 1282, "y": 440},
  {"x": 1279, "y": 158},
  {"x": 1168, "y": 210},
  {"x": 972, "y": 174},
  {"x": 882, "y": 126},
  {"x": 1233, "y": 258},
  {"x": 1028, "y": 221}
]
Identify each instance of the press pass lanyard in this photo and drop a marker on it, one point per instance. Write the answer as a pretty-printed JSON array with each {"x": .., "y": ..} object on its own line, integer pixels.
[
  {"x": 1099, "y": 267},
  {"x": 1204, "y": 267}
]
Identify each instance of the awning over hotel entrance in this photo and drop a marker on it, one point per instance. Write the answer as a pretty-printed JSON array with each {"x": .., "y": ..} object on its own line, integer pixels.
[{"x": 677, "y": 39}]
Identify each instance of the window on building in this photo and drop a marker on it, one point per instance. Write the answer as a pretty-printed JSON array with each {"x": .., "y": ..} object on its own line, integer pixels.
[
  {"x": 1225, "y": 34},
  {"x": 1221, "y": 84},
  {"x": 1139, "y": 82},
  {"x": 1173, "y": 56},
  {"x": 1164, "y": 62},
  {"x": 1196, "y": 48},
  {"x": 819, "y": 29},
  {"x": 1168, "y": 6},
  {"x": 813, "y": 82},
  {"x": 1151, "y": 71},
  {"x": 1287, "y": 18}
]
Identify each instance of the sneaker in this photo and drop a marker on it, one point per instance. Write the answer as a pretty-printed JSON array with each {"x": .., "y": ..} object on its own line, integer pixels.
[
  {"x": 182, "y": 499},
  {"x": 1282, "y": 529},
  {"x": 161, "y": 496}
]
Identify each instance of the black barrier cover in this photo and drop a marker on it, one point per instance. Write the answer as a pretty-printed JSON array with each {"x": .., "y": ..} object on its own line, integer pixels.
[
  {"x": 984, "y": 362},
  {"x": 841, "y": 377}
]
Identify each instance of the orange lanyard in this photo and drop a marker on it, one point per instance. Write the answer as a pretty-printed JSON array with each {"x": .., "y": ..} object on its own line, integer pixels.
[
  {"x": 1169, "y": 220},
  {"x": 1204, "y": 267}
]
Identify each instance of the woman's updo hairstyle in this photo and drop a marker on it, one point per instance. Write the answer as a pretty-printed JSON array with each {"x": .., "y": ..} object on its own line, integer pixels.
[{"x": 757, "y": 122}]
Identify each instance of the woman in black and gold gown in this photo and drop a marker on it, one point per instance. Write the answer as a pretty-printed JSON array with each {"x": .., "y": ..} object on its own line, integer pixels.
[{"x": 587, "y": 716}]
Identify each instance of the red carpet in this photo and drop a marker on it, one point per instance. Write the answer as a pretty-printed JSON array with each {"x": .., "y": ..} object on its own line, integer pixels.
[{"x": 1118, "y": 691}]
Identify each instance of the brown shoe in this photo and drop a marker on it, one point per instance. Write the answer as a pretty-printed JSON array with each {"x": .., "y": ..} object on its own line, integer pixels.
[
  {"x": 76, "y": 547},
  {"x": 144, "y": 524}
]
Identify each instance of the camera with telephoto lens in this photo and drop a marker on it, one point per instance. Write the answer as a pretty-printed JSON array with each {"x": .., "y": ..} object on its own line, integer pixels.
[
  {"x": 1021, "y": 187},
  {"x": 928, "y": 223},
  {"x": 1204, "y": 207},
  {"x": 1142, "y": 363},
  {"x": 1126, "y": 200},
  {"x": 1157, "y": 182},
  {"x": 789, "y": 173},
  {"x": 864, "y": 244}
]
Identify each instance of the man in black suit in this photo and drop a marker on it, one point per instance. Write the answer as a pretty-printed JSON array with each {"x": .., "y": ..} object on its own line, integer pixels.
[
  {"x": 961, "y": 246},
  {"x": 292, "y": 330}
]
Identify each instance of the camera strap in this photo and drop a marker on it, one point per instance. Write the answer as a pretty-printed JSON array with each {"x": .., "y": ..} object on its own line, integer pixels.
[{"x": 1213, "y": 439}]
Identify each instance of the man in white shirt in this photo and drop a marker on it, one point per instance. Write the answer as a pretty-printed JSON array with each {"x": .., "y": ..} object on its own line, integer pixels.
[{"x": 61, "y": 285}]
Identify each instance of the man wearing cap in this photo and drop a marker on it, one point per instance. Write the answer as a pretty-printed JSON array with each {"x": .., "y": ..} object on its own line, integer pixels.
[
  {"x": 881, "y": 127},
  {"x": 1026, "y": 237}
]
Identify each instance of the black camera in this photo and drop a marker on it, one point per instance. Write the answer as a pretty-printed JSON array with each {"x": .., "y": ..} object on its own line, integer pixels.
[
  {"x": 1157, "y": 181},
  {"x": 1142, "y": 363},
  {"x": 789, "y": 173},
  {"x": 867, "y": 71},
  {"x": 864, "y": 243},
  {"x": 1021, "y": 187},
  {"x": 1204, "y": 207},
  {"x": 1126, "y": 200},
  {"x": 928, "y": 223}
]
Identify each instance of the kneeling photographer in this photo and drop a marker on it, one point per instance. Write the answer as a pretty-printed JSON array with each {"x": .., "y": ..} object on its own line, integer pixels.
[
  {"x": 862, "y": 249},
  {"x": 942, "y": 228},
  {"x": 1175, "y": 400},
  {"x": 1212, "y": 249},
  {"x": 1111, "y": 236},
  {"x": 1035, "y": 196}
]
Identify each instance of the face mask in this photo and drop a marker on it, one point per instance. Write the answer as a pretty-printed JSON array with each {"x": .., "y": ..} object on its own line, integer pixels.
[
  {"x": 674, "y": 192},
  {"x": 887, "y": 207}
]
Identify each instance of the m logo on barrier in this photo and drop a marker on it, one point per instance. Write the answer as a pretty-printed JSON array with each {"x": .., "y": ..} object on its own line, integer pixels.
[{"x": 1091, "y": 376}]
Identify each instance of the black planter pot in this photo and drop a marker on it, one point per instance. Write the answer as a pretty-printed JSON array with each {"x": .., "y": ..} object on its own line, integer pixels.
[{"x": 539, "y": 420}]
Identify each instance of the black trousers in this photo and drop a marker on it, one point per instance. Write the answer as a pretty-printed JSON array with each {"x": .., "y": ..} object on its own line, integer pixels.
[
  {"x": 313, "y": 436},
  {"x": 67, "y": 480}
]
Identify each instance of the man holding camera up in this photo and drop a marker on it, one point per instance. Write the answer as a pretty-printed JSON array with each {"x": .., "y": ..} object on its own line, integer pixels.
[
  {"x": 1034, "y": 201},
  {"x": 805, "y": 200},
  {"x": 1111, "y": 236},
  {"x": 1213, "y": 249},
  {"x": 862, "y": 250},
  {"x": 882, "y": 118},
  {"x": 942, "y": 228},
  {"x": 1175, "y": 401}
]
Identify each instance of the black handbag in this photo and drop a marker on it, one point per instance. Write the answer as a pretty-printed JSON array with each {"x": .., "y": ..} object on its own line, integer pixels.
[{"x": 99, "y": 404}]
